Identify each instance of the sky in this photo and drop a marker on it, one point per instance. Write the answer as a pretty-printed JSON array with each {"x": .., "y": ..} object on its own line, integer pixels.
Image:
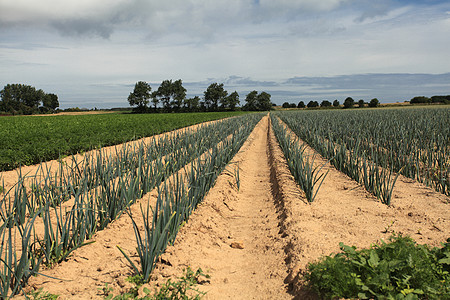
[{"x": 92, "y": 52}]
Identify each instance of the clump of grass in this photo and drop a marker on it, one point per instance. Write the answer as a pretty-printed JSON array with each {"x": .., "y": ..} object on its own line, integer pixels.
[
  {"x": 399, "y": 269},
  {"x": 40, "y": 294},
  {"x": 183, "y": 288}
]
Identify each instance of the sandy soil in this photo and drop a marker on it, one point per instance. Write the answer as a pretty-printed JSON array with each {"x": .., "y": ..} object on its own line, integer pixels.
[{"x": 256, "y": 241}]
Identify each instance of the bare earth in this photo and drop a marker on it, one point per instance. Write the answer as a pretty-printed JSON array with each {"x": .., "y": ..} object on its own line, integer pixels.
[{"x": 255, "y": 241}]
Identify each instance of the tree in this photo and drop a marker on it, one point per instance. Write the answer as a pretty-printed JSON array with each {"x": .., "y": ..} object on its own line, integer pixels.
[
  {"x": 292, "y": 105},
  {"x": 263, "y": 101},
  {"x": 440, "y": 99},
  {"x": 49, "y": 103},
  {"x": 349, "y": 102},
  {"x": 325, "y": 103},
  {"x": 155, "y": 100},
  {"x": 374, "y": 102},
  {"x": 361, "y": 103},
  {"x": 420, "y": 99},
  {"x": 312, "y": 104},
  {"x": 170, "y": 94},
  {"x": 192, "y": 104},
  {"x": 251, "y": 101},
  {"x": 215, "y": 94},
  {"x": 336, "y": 103},
  {"x": 286, "y": 105},
  {"x": 21, "y": 99},
  {"x": 140, "y": 96},
  {"x": 232, "y": 100},
  {"x": 178, "y": 94},
  {"x": 301, "y": 104}
]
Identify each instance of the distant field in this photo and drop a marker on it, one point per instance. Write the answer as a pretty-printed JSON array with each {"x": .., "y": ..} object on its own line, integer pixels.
[{"x": 27, "y": 140}]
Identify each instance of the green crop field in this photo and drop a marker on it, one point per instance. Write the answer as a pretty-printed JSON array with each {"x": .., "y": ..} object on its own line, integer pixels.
[
  {"x": 29, "y": 140},
  {"x": 370, "y": 145}
]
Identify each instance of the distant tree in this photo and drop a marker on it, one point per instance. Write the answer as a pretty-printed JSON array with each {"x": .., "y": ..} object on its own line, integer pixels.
[
  {"x": 349, "y": 102},
  {"x": 312, "y": 104},
  {"x": 292, "y": 105},
  {"x": 325, "y": 103},
  {"x": 215, "y": 94},
  {"x": 171, "y": 94},
  {"x": 178, "y": 95},
  {"x": 192, "y": 104},
  {"x": 286, "y": 105},
  {"x": 140, "y": 96},
  {"x": 374, "y": 102},
  {"x": 301, "y": 104},
  {"x": 231, "y": 101},
  {"x": 361, "y": 103},
  {"x": 50, "y": 101},
  {"x": 263, "y": 102},
  {"x": 440, "y": 99},
  {"x": 420, "y": 99},
  {"x": 164, "y": 94},
  {"x": 336, "y": 103},
  {"x": 21, "y": 99},
  {"x": 251, "y": 101},
  {"x": 155, "y": 99}
]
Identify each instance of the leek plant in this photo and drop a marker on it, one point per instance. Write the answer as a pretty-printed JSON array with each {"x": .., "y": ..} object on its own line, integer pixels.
[
  {"x": 301, "y": 167},
  {"x": 16, "y": 267}
]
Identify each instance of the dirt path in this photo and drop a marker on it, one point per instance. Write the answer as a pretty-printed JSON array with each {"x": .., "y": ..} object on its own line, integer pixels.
[{"x": 234, "y": 235}]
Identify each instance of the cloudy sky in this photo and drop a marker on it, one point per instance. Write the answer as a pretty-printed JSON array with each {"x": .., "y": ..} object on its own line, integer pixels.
[{"x": 91, "y": 52}]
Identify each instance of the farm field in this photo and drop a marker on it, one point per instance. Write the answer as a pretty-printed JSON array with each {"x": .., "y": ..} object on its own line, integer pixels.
[
  {"x": 28, "y": 140},
  {"x": 254, "y": 230}
]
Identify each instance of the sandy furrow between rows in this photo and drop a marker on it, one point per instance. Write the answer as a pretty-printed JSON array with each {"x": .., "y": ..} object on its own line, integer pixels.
[{"x": 234, "y": 235}]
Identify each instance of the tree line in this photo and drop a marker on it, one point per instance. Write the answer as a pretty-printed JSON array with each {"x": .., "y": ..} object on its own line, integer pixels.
[
  {"x": 432, "y": 99},
  {"x": 21, "y": 99},
  {"x": 171, "y": 97},
  {"x": 350, "y": 103}
]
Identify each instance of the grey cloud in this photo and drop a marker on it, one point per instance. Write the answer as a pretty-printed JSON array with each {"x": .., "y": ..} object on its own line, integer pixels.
[
  {"x": 369, "y": 81},
  {"x": 238, "y": 80},
  {"x": 159, "y": 17},
  {"x": 81, "y": 27},
  {"x": 371, "y": 9}
]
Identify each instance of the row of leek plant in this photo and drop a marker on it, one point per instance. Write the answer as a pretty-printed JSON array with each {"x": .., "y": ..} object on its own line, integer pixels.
[
  {"x": 45, "y": 188},
  {"x": 308, "y": 177},
  {"x": 177, "y": 200},
  {"x": 354, "y": 163},
  {"x": 413, "y": 142},
  {"x": 93, "y": 209}
]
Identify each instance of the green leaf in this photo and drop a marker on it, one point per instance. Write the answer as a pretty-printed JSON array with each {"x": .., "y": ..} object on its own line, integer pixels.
[
  {"x": 445, "y": 261},
  {"x": 374, "y": 259}
]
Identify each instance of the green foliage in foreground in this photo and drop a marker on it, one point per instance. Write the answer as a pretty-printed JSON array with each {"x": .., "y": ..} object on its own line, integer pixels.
[
  {"x": 30, "y": 140},
  {"x": 399, "y": 269},
  {"x": 184, "y": 288}
]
